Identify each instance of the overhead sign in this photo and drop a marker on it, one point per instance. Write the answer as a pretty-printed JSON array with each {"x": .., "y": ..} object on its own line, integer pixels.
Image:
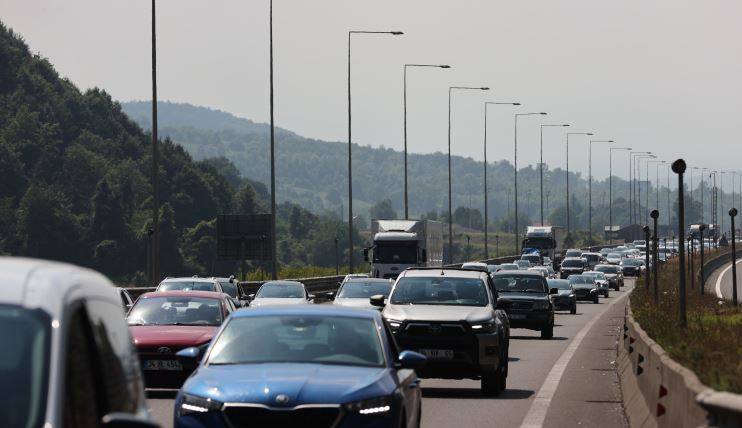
[{"x": 244, "y": 237}]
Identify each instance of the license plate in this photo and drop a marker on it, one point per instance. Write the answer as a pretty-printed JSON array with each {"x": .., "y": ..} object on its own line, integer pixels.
[
  {"x": 172, "y": 365},
  {"x": 517, "y": 316},
  {"x": 438, "y": 354}
]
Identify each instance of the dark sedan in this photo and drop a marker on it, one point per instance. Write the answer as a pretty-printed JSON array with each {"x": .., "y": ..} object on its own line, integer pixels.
[
  {"x": 585, "y": 288},
  {"x": 524, "y": 296},
  {"x": 301, "y": 365},
  {"x": 572, "y": 266},
  {"x": 631, "y": 267},
  {"x": 564, "y": 298}
]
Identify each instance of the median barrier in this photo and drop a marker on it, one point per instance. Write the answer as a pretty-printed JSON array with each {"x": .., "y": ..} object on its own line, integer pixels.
[{"x": 659, "y": 392}]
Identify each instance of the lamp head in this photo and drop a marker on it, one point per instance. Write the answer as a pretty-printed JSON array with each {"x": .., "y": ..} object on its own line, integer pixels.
[{"x": 678, "y": 167}]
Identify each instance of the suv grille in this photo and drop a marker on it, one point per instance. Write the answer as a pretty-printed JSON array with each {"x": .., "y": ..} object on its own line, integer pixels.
[
  {"x": 434, "y": 329},
  {"x": 309, "y": 417},
  {"x": 521, "y": 305}
]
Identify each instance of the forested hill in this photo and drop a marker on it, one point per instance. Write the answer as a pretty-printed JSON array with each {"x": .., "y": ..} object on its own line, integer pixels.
[
  {"x": 75, "y": 182},
  {"x": 313, "y": 173}
]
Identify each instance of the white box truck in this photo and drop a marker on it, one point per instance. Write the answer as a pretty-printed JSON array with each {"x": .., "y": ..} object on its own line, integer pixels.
[
  {"x": 399, "y": 244},
  {"x": 548, "y": 240}
]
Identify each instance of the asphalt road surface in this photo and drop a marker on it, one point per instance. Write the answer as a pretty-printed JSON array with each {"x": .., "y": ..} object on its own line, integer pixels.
[
  {"x": 567, "y": 381},
  {"x": 720, "y": 283}
]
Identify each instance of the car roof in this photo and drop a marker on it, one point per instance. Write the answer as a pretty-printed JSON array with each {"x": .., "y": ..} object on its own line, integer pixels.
[
  {"x": 34, "y": 283},
  {"x": 283, "y": 282},
  {"x": 181, "y": 293},
  {"x": 366, "y": 280},
  {"x": 321, "y": 310},
  {"x": 188, "y": 278},
  {"x": 517, "y": 273},
  {"x": 572, "y": 258},
  {"x": 604, "y": 265},
  {"x": 456, "y": 273}
]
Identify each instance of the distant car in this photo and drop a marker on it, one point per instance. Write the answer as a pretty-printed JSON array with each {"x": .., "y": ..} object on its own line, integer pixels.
[
  {"x": 522, "y": 264},
  {"x": 68, "y": 359},
  {"x": 301, "y": 366},
  {"x": 573, "y": 253},
  {"x": 613, "y": 274},
  {"x": 508, "y": 266},
  {"x": 281, "y": 293},
  {"x": 356, "y": 292},
  {"x": 525, "y": 297},
  {"x": 614, "y": 258},
  {"x": 564, "y": 298},
  {"x": 476, "y": 266},
  {"x": 585, "y": 288},
  {"x": 601, "y": 282},
  {"x": 355, "y": 275},
  {"x": 163, "y": 323},
  {"x": 571, "y": 266},
  {"x": 547, "y": 261},
  {"x": 640, "y": 242},
  {"x": 542, "y": 270},
  {"x": 450, "y": 316},
  {"x": 126, "y": 301},
  {"x": 493, "y": 268},
  {"x": 535, "y": 259},
  {"x": 604, "y": 252},
  {"x": 229, "y": 286},
  {"x": 593, "y": 259},
  {"x": 632, "y": 267},
  {"x": 190, "y": 284}
]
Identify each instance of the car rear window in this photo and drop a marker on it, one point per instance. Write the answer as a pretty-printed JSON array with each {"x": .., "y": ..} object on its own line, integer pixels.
[
  {"x": 573, "y": 263},
  {"x": 280, "y": 290},
  {"x": 520, "y": 283},
  {"x": 187, "y": 286}
]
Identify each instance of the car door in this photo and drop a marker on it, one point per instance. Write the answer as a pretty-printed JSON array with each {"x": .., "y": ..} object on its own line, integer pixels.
[{"x": 407, "y": 380}]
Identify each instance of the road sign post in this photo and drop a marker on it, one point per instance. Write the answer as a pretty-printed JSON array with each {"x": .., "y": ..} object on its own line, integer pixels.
[
  {"x": 244, "y": 237},
  {"x": 678, "y": 167}
]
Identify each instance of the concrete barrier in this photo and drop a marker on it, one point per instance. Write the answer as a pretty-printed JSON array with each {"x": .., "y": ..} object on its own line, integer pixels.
[{"x": 659, "y": 392}]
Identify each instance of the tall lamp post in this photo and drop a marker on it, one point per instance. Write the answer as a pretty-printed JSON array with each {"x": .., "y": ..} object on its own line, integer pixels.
[
  {"x": 610, "y": 185},
  {"x": 632, "y": 185},
  {"x": 406, "y": 201},
  {"x": 486, "y": 215},
  {"x": 638, "y": 185},
  {"x": 155, "y": 247},
  {"x": 590, "y": 187},
  {"x": 274, "y": 257},
  {"x": 515, "y": 169},
  {"x": 451, "y": 89},
  {"x": 541, "y": 167},
  {"x": 350, "y": 142},
  {"x": 589, "y": 134},
  {"x": 658, "y": 162}
]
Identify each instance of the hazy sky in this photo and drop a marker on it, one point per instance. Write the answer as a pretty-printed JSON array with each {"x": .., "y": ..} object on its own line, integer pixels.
[{"x": 662, "y": 75}]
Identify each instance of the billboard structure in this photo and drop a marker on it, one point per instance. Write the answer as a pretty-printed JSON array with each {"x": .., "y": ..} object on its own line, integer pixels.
[{"x": 244, "y": 237}]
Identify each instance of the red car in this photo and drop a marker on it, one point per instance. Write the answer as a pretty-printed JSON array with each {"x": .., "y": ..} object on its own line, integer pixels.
[{"x": 163, "y": 323}]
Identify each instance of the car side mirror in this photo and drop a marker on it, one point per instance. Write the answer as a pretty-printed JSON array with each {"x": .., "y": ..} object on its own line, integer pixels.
[
  {"x": 126, "y": 420},
  {"x": 411, "y": 360},
  {"x": 189, "y": 357},
  {"x": 365, "y": 254},
  {"x": 377, "y": 300},
  {"x": 554, "y": 290}
]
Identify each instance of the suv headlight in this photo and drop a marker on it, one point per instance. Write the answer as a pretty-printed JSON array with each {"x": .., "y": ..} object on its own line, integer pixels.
[
  {"x": 541, "y": 305},
  {"x": 373, "y": 406},
  {"x": 484, "y": 327},
  {"x": 193, "y": 404}
]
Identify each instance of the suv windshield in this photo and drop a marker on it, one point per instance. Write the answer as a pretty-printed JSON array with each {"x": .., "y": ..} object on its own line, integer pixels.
[
  {"x": 596, "y": 275},
  {"x": 400, "y": 254},
  {"x": 573, "y": 253},
  {"x": 580, "y": 279},
  {"x": 633, "y": 262},
  {"x": 439, "y": 291},
  {"x": 520, "y": 283},
  {"x": 24, "y": 365},
  {"x": 187, "y": 286},
  {"x": 280, "y": 290},
  {"x": 573, "y": 263},
  {"x": 364, "y": 289},
  {"x": 176, "y": 310},
  {"x": 561, "y": 284},
  {"x": 298, "y": 339}
]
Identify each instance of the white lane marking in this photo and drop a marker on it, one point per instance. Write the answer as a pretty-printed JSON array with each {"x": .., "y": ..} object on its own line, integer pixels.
[
  {"x": 721, "y": 276},
  {"x": 537, "y": 412}
]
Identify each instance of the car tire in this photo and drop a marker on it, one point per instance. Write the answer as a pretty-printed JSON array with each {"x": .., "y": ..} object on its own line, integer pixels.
[
  {"x": 491, "y": 382},
  {"x": 547, "y": 332},
  {"x": 596, "y": 299},
  {"x": 573, "y": 309}
]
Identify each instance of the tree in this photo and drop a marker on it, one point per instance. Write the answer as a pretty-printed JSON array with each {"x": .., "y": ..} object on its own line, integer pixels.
[
  {"x": 171, "y": 260},
  {"x": 382, "y": 210},
  {"x": 106, "y": 217},
  {"x": 246, "y": 201}
]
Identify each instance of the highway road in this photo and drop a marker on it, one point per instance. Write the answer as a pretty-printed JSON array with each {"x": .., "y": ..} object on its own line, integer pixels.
[
  {"x": 720, "y": 282},
  {"x": 564, "y": 382}
]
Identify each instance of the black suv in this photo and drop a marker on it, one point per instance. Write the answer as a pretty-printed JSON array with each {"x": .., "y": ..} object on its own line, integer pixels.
[
  {"x": 525, "y": 297},
  {"x": 450, "y": 316},
  {"x": 572, "y": 266}
]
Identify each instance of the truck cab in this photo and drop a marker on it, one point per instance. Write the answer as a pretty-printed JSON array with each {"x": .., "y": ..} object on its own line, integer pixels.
[{"x": 401, "y": 244}]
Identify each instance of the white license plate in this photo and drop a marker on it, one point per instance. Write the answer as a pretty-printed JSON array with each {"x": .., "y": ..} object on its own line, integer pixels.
[
  {"x": 438, "y": 354},
  {"x": 517, "y": 316},
  {"x": 172, "y": 365}
]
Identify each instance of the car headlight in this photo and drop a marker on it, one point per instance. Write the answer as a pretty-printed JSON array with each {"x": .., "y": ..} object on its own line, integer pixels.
[
  {"x": 192, "y": 404},
  {"x": 571, "y": 294},
  {"x": 373, "y": 406},
  {"x": 484, "y": 327},
  {"x": 594, "y": 290},
  {"x": 394, "y": 324},
  {"x": 541, "y": 305}
]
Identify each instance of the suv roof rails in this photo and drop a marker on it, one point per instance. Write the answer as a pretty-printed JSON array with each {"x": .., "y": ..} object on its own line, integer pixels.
[{"x": 466, "y": 269}]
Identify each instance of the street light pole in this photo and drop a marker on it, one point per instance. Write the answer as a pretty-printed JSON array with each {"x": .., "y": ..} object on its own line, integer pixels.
[
  {"x": 450, "y": 210},
  {"x": 274, "y": 257},
  {"x": 515, "y": 169},
  {"x": 155, "y": 247},
  {"x": 486, "y": 215},
  {"x": 590, "y": 187},
  {"x": 632, "y": 185},
  {"x": 610, "y": 185},
  {"x": 541, "y": 167},
  {"x": 648, "y": 188},
  {"x": 568, "y": 134},
  {"x": 406, "y": 201},
  {"x": 350, "y": 145}
]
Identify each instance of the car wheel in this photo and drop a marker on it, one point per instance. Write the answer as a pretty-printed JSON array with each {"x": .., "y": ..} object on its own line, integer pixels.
[
  {"x": 573, "y": 309},
  {"x": 547, "y": 332},
  {"x": 595, "y": 299},
  {"x": 491, "y": 382}
]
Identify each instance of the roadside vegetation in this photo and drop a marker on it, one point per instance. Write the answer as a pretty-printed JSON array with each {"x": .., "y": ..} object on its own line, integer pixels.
[{"x": 711, "y": 344}]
